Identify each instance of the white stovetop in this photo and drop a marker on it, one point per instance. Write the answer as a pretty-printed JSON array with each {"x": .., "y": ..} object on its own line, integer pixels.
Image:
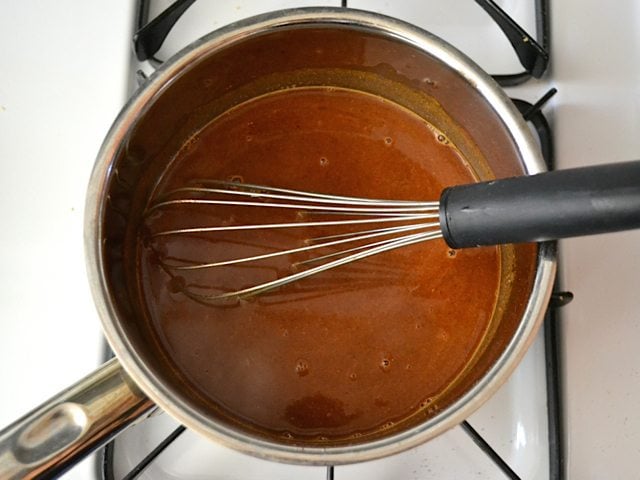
[{"x": 63, "y": 77}]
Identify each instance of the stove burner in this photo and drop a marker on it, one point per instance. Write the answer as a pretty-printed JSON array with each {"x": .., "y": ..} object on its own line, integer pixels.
[{"x": 534, "y": 57}]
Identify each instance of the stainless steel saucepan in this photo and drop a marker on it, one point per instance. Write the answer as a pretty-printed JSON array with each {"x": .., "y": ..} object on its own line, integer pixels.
[{"x": 317, "y": 46}]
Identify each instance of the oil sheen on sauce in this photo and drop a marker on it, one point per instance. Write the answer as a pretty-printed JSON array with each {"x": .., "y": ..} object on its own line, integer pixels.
[{"x": 343, "y": 354}]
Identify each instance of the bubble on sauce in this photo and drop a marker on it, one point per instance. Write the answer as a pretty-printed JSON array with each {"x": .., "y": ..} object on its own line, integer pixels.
[
  {"x": 426, "y": 402},
  {"x": 176, "y": 284},
  {"x": 442, "y": 138},
  {"x": 385, "y": 364},
  {"x": 387, "y": 426},
  {"x": 287, "y": 435},
  {"x": 355, "y": 435},
  {"x": 235, "y": 178},
  {"x": 324, "y": 161},
  {"x": 294, "y": 267},
  {"x": 388, "y": 141},
  {"x": 285, "y": 332},
  {"x": 353, "y": 376},
  {"x": 302, "y": 367},
  {"x": 451, "y": 253},
  {"x": 407, "y": 366},
  {"x": 430, "y": 81},
  {"x": 442, "y": 335},
  {"x": 249, "y": 138}
]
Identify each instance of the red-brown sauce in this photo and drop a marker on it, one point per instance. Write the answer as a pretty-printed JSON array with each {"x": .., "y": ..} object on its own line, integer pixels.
[{"x": 348, "y": 352}]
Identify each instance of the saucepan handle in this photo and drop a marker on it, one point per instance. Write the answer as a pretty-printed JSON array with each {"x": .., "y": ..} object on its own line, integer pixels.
[
  {"x": 547, "y": 206},
  {"x": 58, "y": 433}
]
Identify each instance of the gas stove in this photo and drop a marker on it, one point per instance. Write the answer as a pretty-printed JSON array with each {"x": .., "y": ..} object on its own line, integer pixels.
[{"x": 569, "y": 409}]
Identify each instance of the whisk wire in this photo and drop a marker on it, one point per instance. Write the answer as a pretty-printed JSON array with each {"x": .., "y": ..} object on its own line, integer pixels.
[
  {"x": 264, "y": 226},
  {"x": 422, "y": 236},
  {"x": 255, "y": 290},
  {"x": 257, "y": 191},
  {"x": 364, "y": 235},
  {"x": 360, "y": 212}
]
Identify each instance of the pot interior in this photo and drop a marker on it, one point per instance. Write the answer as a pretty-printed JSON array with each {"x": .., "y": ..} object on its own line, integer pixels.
[{"x": 244, "y": 67}]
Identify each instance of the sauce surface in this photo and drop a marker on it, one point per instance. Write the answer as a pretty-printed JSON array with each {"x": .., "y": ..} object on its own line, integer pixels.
[{"x": 343, "y": 354}]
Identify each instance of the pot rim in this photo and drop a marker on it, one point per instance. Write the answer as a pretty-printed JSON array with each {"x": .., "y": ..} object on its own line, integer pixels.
[{"x": 190, "y": 417}]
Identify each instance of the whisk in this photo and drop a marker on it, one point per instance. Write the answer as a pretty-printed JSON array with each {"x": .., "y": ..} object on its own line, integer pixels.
[{"x": 546, "y": 206}]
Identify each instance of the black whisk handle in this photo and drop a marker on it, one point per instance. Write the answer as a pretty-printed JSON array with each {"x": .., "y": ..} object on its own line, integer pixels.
[{"x": 546, "y": 206}]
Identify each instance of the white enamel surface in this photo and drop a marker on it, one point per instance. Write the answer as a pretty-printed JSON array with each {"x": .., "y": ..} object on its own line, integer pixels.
[
  {"x": 597, "y": 119},
  {"x": 63, "y": 78}
]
